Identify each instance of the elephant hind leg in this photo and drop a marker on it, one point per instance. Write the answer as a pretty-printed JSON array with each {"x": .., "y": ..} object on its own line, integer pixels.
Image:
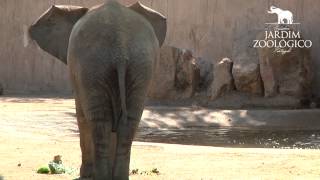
[
  {"x": 99, "y": 115},
  {"x": 137, "y": 90},
  {"x": 101, "y": 132},
  {"x": 125, "y": 136},
  {"x": 95, "y": 91},
  {"x": 86, "y": 170}
]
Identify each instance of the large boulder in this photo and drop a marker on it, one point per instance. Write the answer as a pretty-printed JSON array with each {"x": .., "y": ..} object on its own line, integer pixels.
[
  {"x": 175, "y": 76},
  {"x": 246, "y": 74},
  {"x": 222, "y": 79},
  {"x": 285, "y": 71},
  {"x": 1, "y": 89},
  {"x": 246, "y": 68},
  {"x": 206, "y": 73}
]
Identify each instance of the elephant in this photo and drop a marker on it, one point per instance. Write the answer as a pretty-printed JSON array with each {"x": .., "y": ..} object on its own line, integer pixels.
[{"x": 110, "y": 51}]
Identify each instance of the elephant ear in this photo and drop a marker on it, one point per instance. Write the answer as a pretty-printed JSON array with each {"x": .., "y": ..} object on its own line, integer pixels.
[
  {"x": 157, "y": 20},
  {"x": 52, "y": 30}
]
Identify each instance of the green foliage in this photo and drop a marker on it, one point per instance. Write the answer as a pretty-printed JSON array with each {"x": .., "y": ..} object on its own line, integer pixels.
[
  {"x": 56, "y": 168},
  {"x": 135, "y": 171},
  {"x": 154, "y": 171},
  {"x": 43, "y": 170}
]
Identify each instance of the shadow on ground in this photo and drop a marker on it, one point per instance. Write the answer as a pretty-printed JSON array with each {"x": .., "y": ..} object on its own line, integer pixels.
[{"x": 223, "y": 128}]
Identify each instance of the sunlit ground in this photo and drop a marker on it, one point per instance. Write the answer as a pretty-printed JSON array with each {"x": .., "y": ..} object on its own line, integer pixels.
[{"x": 34, "y": 130}]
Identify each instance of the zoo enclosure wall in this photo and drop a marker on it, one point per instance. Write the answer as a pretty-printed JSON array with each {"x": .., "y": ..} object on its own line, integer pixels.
[{"x": 207, "y": 27}]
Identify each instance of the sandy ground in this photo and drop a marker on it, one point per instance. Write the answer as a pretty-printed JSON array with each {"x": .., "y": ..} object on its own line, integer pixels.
[{"x": 34, "y": 130}]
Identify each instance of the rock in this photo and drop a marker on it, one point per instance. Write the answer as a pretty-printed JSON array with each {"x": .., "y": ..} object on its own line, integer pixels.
[
  {"x": 317, "y": 102},
  {"x": 287, "y": 72},
  {"x": 305, "y": 103},
  {"x": 223, "y": 81},
  {"x": 313, "y": 105},
  {"x": 187, "y": 73},
  {"x": 206, "y": 73},
  {"x": 246, "y": 68},
  {"x": 246, "y": 74},
  {"x": 175, "y": 76},
  {"x": 163, "y": 79},
  {"x": 1, "y": 89}
]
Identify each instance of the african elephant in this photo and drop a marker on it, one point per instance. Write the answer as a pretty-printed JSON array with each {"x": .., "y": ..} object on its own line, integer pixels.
[{"x": 110, "y": 50}]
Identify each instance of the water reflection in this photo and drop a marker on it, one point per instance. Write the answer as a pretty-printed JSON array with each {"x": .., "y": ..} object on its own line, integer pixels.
[{"x": 233, "y": 137}]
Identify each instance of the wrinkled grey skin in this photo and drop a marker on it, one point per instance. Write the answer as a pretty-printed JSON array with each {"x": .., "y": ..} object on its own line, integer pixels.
[{"x": 110, "y": 52}]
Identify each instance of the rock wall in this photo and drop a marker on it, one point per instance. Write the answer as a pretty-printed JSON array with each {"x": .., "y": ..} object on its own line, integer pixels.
[
  {"x": 271, "y": 72},
  {"x": 176, "y": 75},
  {"x": 287, "y": 72},
  {"x": 207, "y": 27}
]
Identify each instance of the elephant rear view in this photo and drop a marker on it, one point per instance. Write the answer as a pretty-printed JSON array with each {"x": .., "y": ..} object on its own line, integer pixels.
[{"x": 110, "y": 51}]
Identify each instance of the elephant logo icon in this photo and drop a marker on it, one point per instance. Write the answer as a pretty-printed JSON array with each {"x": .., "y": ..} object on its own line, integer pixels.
[{"x": 284, "y": 16}]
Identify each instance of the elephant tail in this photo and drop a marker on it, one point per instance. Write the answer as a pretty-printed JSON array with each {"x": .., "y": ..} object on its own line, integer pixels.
[{"x": 122, "y": 88}]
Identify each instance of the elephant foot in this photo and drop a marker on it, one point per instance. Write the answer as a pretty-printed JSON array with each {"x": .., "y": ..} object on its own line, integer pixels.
[
  {"x": 121, "y": 169},
  {"x": 86, "y": 171},
  {"x": 102, "y": 170},
  {"x": 103, "y": 176}
]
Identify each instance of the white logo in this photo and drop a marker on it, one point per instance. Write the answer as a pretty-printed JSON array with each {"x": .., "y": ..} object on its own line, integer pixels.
[
  {"x": 284, "y": 16},
  {"x": 280, "y": 35}
]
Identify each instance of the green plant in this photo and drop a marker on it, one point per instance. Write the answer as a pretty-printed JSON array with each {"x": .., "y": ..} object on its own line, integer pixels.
[
  {"x": 43, "y": 170},
  {"x": 155, "y": 171},
  {"x": 56, "y": 168},
  {"x": 135, "y": 171}
]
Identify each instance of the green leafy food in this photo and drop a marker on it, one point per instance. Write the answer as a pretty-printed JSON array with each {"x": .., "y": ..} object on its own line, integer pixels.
[
  {"x": 155, "y": 171},
  {"x": 56, "y": 168},
  {"x": 43, "y": 170}
]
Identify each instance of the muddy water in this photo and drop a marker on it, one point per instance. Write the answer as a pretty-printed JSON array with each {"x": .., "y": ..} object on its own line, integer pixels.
[{"x": 233, "y": 137}]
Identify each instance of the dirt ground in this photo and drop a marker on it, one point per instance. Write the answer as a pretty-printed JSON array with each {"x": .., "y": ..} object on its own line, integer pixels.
[{"x": 33, "y": 130}]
